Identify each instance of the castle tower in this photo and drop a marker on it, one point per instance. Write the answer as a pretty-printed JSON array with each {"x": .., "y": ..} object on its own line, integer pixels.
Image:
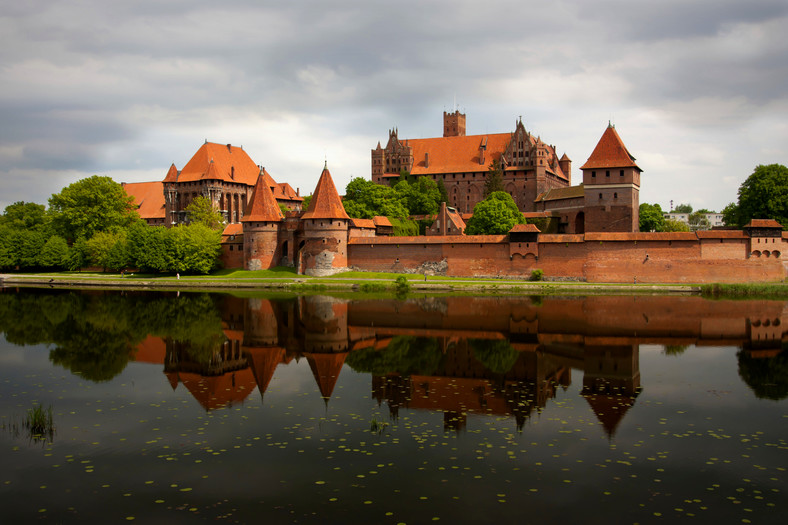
[
  {"x": 261, "y": 223},
  {"x": 171, "y": 197},
  {"x": 323, "y": 250},
  {"x": 612, "y": 186},
  {"x": 454, "y": 124}
]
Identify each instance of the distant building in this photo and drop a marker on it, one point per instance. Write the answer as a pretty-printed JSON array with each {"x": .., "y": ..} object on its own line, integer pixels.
[{"x": 714, "y": 220}]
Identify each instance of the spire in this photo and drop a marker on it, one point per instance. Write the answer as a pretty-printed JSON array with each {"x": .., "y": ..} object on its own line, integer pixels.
[
  {"x": 262, "y": 206},
  {"x": 325, "y": 203},
  {"x": 326, "y": 369},
  {"x": 263, "y": 362}
]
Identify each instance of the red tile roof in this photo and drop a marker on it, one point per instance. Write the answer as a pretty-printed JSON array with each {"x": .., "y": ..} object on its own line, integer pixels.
[
  {"x": 262, "y": 205},
  {"x": 570, "y": 192},
  {"x": 381, "y": 220},
  {"x": 231, "y": 164},
  {"x": 286, "y": 192},
  {"x": 325, "y": 203},
  {"x": 610, "y": 152},
  {"x": 461, "y": 154},
  {"x": 763, "y": 223},
  {"x": 432, "y": 239},
  {"x": 363, "y": 223},
  {"x": 148, "y": 197},
  {"x": 172, "y": 174},
  {"x": 525, "y": 228}
]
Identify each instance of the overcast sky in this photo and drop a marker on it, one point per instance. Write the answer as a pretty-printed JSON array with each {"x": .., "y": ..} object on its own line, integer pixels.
[{"x": 697, "y": 89}]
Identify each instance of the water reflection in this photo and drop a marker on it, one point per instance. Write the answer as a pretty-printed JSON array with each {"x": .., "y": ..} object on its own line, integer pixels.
[{"x": 455, "y": 355}]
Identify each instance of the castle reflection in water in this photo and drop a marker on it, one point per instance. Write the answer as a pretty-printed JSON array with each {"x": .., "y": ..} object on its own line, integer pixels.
[{"x": 462, "y": 355}]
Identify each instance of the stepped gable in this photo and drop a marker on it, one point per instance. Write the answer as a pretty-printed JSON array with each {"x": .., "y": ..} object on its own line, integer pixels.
[
  {"x": 610, "y": 152},
  {"x": 231, "y": 164},
  {"x": 325, "y": 203},
  {"x": 262, "y": 205},
  {"x": 325, "y": 369},
  {"x": 172, "y": 174}
]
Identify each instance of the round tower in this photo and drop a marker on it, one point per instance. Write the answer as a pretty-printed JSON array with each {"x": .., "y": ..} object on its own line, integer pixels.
[
  {"x": 261, "y": 224},
  {"x": 323, "y": 249}
]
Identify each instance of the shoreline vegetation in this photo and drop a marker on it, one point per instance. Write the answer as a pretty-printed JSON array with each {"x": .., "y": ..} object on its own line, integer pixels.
[{"x": 285, "y": 279}]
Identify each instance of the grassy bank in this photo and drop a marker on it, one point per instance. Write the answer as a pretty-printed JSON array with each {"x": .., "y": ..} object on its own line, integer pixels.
[{"x": 745, "y": 290}]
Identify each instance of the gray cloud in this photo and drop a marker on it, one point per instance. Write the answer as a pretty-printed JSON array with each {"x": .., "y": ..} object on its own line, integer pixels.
[{"x": 116, "y": 87}]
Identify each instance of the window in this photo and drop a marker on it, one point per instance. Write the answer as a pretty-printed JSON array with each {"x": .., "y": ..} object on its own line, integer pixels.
[
  {"x": 621, "y": 173},
  {"x": 615, "y": 195},
  {"x": 593, "y": 174},
  {"x": 600, "y": 196},
  {"x": 607, "y": 173}
]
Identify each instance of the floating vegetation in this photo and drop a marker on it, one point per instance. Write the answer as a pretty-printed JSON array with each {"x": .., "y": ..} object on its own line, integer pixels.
[
  {"x": 377, "y": 427},
  {"x": 39, "y": 423}
]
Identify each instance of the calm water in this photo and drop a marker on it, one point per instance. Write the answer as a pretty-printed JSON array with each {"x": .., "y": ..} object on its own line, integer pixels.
[{"x": 210, "y": 407}]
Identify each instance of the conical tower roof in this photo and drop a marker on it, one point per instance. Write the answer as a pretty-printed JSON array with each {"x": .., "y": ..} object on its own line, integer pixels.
[
  {"x": 610, "y": 152},
  {"x": 325, "y": 369},
  {"x": 325, "y": 203},
  {"x": 172, "y": 174},
  {"x": 262, "y": 206},
  {"x": 609, "y": 410},
  {"x": 263, "y": 362}
]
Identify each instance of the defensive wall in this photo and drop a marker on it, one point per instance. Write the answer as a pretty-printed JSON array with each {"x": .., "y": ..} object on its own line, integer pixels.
[{"x": 681, "y": 257}]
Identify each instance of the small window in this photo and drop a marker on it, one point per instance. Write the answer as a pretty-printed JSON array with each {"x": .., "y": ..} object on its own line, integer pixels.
[
  {"x": 615, "y": 195},
  {"x": 607, "y": 173},
  {"x": 600, "y": 196},
  {"x": 621, "y": 173},
  {"x": 593, "y": 174}
]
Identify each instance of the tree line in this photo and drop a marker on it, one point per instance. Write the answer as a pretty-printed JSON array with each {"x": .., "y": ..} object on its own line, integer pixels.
[
  {"x": 94, "y": 223},
  {"x": 763, "y": 195}
]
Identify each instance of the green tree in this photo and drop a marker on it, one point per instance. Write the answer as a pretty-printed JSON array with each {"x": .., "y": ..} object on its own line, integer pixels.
[
  {"x": 683, "y": 208},
  {"x": 108, "y": 250},
  {"x": 494, "y": 180},
  {"x": 364, "y": 199},
  {"x": 91, "y": 205},
  {"x": 421, "y": 197},
  {"x": 764, "y": 195},
  {"x": 443, "y": 192},
  {"x": 730, "y": 214},
  {"x": 307, "y": 200},
  {"x": 201, "y": 211},
  {"x": 193, "y": 249},
  {"x": 495, "y": 215},
  {"x": 54, "y": 254},
  {"x": 24, "y": 215},
  {"x": 672, "y": 225},
  {"x": 497, "y": 356},
  {"x": 651, "y": 218}
]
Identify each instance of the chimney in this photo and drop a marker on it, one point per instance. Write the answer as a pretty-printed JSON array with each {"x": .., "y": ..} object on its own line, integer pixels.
[
  {"x": 230, "y": 148},
  {"x": 427, "y": 160},
  {"x": 298, "y": 192}
]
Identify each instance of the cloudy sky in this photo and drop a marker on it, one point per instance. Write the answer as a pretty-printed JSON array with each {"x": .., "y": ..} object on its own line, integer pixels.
[{"x": 697, "y": 89}]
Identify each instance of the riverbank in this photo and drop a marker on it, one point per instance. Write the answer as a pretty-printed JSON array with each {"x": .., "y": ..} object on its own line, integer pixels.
[{"x": 355, "y": 282}]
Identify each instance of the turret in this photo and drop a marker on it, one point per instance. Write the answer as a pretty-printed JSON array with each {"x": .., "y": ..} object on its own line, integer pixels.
[
  {"x": 261, "y": 223},
  {"x": 325, "y": 226}
]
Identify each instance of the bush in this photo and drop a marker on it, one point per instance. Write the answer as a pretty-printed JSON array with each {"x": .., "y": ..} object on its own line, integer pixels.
[
  {"x": 536, "y": 275},
  {"x": 402, "y": 285}
]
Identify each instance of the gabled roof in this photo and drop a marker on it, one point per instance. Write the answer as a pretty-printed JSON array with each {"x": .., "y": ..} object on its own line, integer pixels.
[
  {"x": 148, "y": 197},
  {"x": 325, "y": 203},
  {"x": 456, "y": 154},
  {"x": 381, "y": 220},
  {"x": 231, "y": 164},
  {"x": 286, "y": 192},
  {"x": 262, "y": 205},
  {"x": 525, "y": 228},
  {"x": 763, "y": 223},
  {"x": 610, "y": 152},
  {"x": 363, "y": 223}
]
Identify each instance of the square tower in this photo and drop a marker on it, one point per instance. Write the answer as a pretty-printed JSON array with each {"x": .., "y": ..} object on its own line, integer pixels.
[{"x": 454, "y": 124}]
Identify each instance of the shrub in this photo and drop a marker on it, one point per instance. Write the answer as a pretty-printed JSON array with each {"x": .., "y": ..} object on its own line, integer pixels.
[{"x": 536, "y": 275}]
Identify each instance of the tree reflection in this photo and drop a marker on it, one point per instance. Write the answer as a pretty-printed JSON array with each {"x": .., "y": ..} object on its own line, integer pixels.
[
  {"x": 405, "y": 355},
  {"x": 95, "y": 334},
  {"x": 497, "y": 355},
  {"x": 767, "y": 377}
]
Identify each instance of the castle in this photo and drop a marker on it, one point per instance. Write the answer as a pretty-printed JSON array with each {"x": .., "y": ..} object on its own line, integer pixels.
[
  {"x": 597, "y": 239},
  {"x": 533, "y": 174}
]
